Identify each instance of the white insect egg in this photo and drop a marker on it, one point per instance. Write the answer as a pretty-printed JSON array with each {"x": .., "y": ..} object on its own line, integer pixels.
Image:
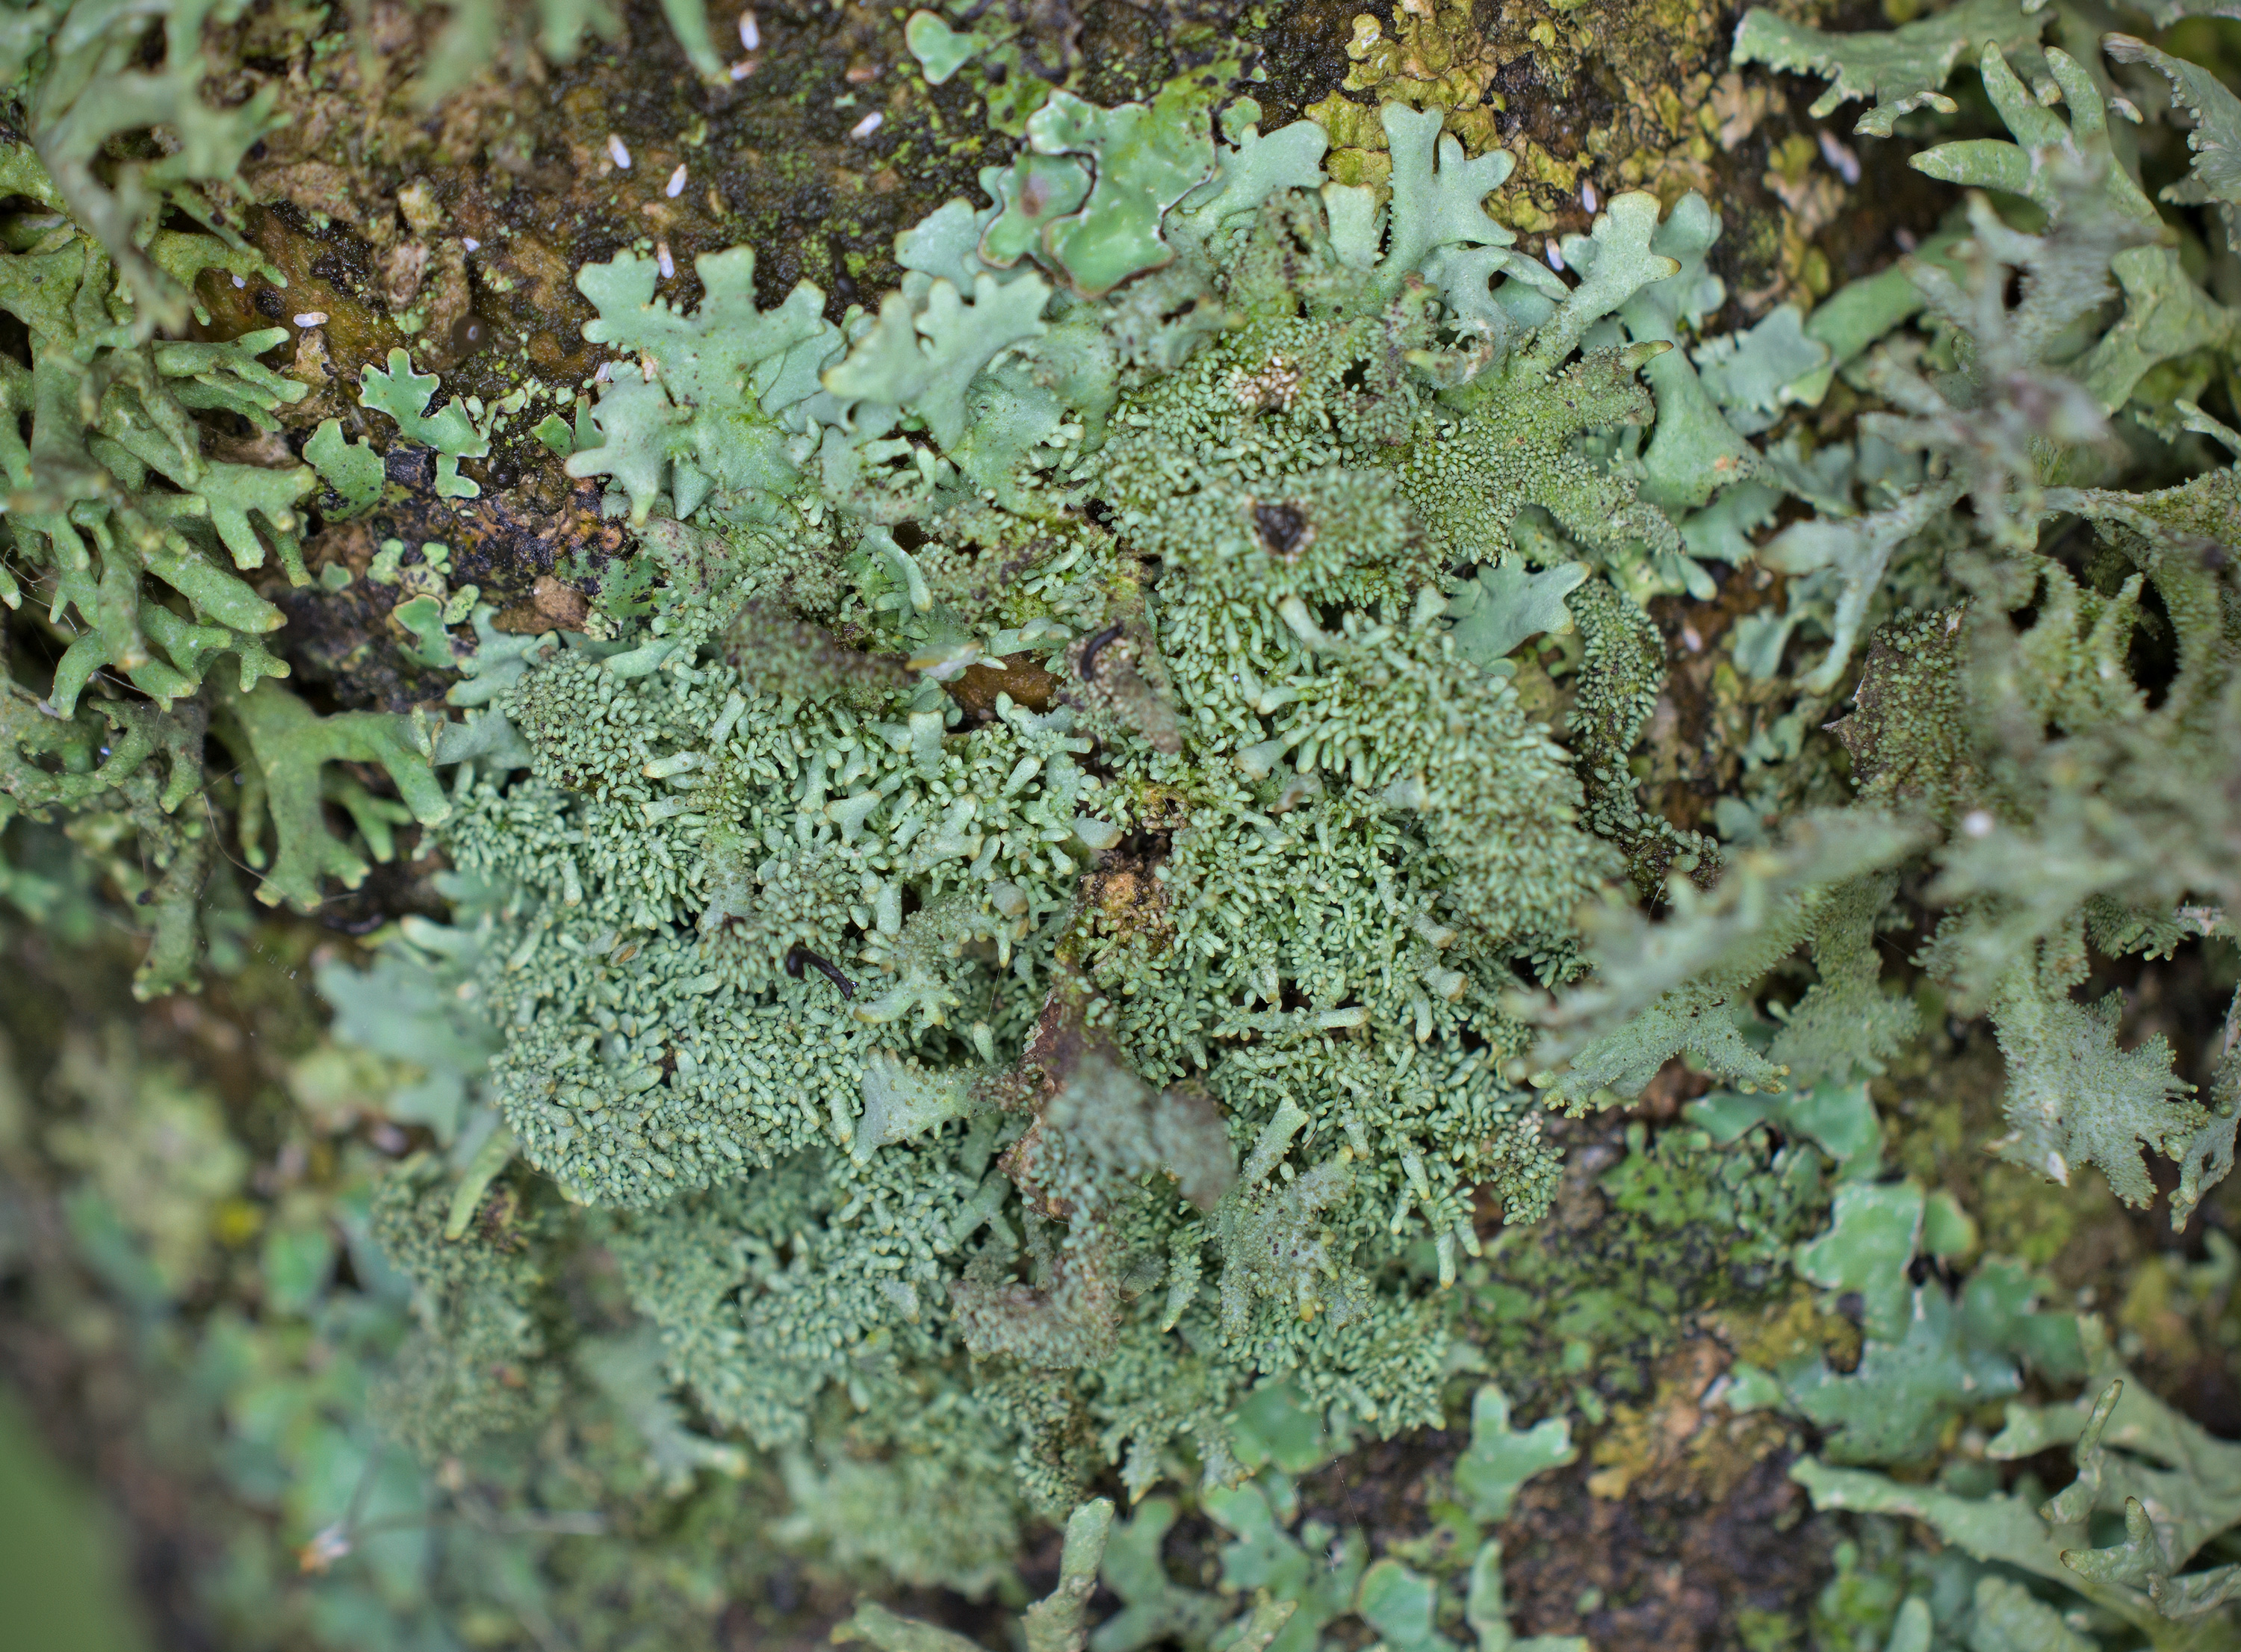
[
  {"x": 1978, "y": 824},
  {"x": 661, "y": 257},
  {"x": 619, "y": 151},
  {"x": 751, "y": 34},
  {"x": 865, "y": 127},
  {"x": 675, "y": 182},
  {"x": 312, "y": 319},
  {"x": 1555, "y": 256},
  {"x": 1588, "y": 196},
  {"x": 471, "y": 243}
]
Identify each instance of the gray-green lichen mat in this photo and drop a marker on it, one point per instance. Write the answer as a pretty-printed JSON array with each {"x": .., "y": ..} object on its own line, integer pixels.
[{"x": 1035, "y": 930}]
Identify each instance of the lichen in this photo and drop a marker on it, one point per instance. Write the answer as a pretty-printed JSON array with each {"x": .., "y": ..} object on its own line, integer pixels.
[{"x": 1029, "y": 881}]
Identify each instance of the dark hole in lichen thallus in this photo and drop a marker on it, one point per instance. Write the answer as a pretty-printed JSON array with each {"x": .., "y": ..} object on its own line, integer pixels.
[{"x": 1283, "y": 527}]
